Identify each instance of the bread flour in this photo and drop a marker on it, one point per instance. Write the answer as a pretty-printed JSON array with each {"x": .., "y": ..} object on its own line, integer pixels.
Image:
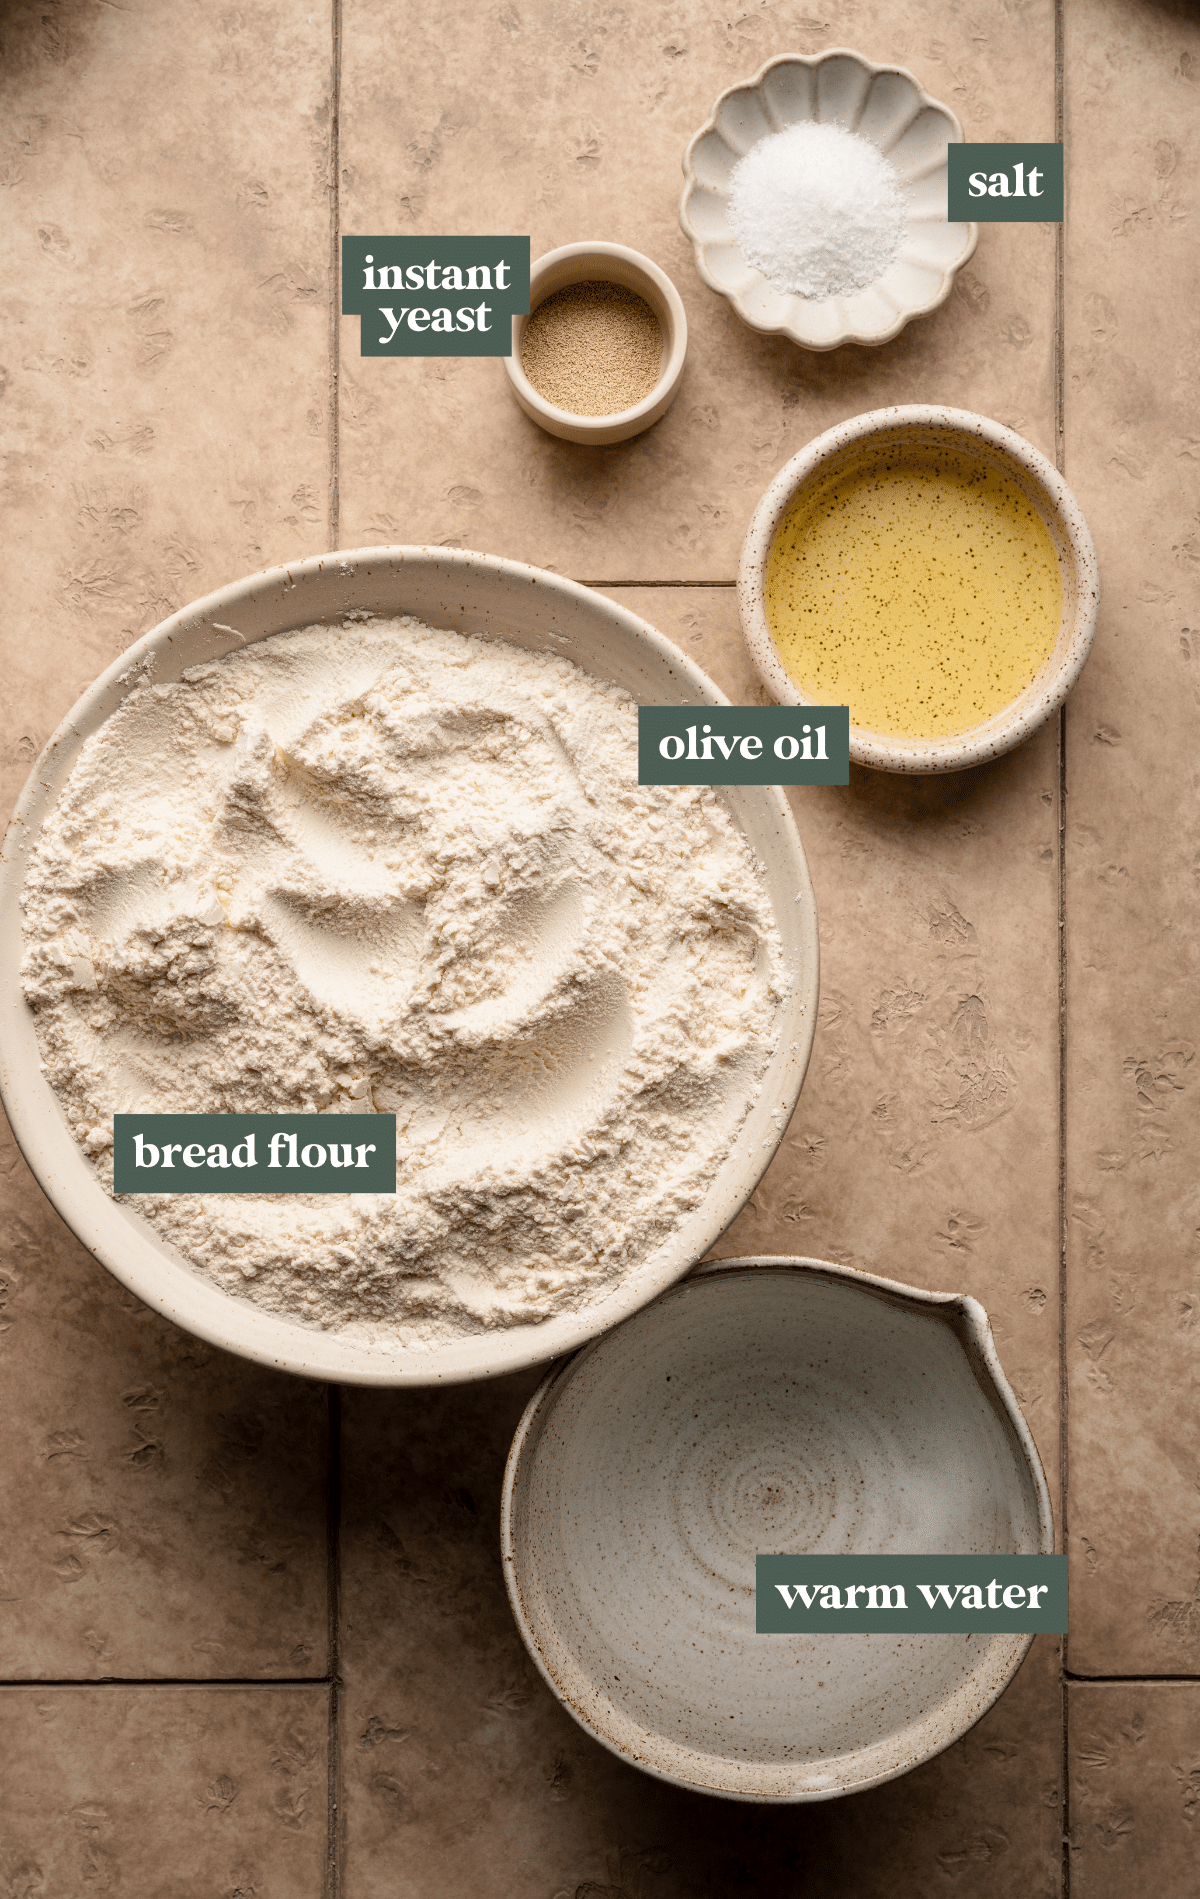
[{"x": 380, "y": 866}]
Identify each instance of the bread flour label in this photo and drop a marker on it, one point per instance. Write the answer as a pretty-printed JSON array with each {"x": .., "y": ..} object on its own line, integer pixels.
[{"x": 254, "y": 1153}]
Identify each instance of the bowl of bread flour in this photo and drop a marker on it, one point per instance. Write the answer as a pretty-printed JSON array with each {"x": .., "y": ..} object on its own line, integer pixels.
[{"x": 365, "y": 836}]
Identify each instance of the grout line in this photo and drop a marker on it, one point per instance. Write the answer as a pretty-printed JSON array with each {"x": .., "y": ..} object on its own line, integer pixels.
[
  {"x": 334, "y": 1439},
  {"x": 727, "y": 585},
  {"x": 1060, "y": 447},
  {"x": 335, "y": 275},
  {"x": 334, "y": 1544},
  {"x": 1138, "y": 1681},
  {"x": 169, "y": 1681}
]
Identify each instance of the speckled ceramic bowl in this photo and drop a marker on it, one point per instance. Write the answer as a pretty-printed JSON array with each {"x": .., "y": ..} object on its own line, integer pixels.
[
  {"x": 590, "y": 263},
  {"x": 1041, "y": 481},
  {"x": 774, "y": 1406},
  {"x": 884, "y": 104},
  {"x": 474, "y": 593}
]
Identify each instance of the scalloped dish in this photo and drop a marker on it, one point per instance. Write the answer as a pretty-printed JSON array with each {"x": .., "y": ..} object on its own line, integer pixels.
[{"x": 883, "y": 104}]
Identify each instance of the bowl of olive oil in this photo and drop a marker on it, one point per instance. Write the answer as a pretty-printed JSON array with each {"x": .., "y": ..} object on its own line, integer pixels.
[{"x": 930, "y": 569}]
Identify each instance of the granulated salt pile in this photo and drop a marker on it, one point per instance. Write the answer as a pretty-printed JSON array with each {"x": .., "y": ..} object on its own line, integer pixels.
[{"x": 818, "y": 210}]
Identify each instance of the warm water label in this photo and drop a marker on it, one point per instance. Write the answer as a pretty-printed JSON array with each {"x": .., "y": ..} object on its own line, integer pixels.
[
  {"x": 910, "y": 1595},
  {"x": 435, "y": 296},
  {"x": 743, "y": 745},
  {"x": 254, "y": 1153},
  {"x": 1004, "y": 184}
]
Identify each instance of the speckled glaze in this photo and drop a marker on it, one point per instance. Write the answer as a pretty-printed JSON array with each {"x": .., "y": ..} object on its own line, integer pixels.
[
  {"x": 1068, "y": 530},
  {"x": 884, "y": 104},
  {"x": 474, "y": 593},
  {"x": 772, "y": 1405},
  {"x": 603, "y": 263}
]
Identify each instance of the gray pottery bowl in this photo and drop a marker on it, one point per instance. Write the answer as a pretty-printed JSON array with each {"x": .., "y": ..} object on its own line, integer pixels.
[
  {"x": 772, "y": 1405},
  {"x": 475, "y": 593}
]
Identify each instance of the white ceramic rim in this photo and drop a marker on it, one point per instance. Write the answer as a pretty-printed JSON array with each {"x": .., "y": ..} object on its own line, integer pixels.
[
  {"x": 1068, "y": 529},
  {"x": 326, "y": 587},
  {"x": 870, "y": 339},
  {"x": 623, "y": 423},
  {"x": 975, "y": 1336}
]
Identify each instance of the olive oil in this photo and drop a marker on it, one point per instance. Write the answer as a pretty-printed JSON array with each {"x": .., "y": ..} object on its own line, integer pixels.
[{"x": 917, "y": 584}]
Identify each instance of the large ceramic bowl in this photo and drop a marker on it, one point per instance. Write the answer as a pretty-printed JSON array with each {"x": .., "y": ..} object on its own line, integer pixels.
[
  {"x": 474, "y": 593},
  {"x": 989, "y": 442},
  {"x": 766, "y": 1406},
  {"x": 884, "y": 104}
]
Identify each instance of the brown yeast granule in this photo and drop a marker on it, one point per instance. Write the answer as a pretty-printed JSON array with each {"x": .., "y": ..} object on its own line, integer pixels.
[{"x": 593, "y": 349}]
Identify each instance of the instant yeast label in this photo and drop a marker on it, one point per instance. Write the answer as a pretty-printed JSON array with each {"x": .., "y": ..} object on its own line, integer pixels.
[{"x": 435, "y": 296}]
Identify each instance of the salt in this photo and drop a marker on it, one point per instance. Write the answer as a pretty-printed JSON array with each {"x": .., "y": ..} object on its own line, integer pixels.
[{"x": 818, "y": 210}]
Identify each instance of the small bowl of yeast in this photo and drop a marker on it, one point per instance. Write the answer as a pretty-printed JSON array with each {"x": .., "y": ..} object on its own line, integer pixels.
[{"x": 600, "y": 356}]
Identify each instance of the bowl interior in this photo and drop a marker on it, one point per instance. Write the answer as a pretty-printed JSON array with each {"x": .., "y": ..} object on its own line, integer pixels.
[
  {"x": 595, "y": 266},
  {"x": 603, "y": 263},
  {"x": 997, "y": 457},
  {"x": 477, "y": 594},
  {"x": 1000, "y": 449},
  {"x": 769, "y": 1409}
]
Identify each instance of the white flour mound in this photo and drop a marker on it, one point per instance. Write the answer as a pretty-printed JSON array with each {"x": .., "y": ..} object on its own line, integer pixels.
[{"x": 381, "y": 866}]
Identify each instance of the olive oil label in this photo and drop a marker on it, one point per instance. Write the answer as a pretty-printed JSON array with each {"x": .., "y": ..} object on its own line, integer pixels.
[
  {"x": 1004, "y": 184},
  {"x": 743, "y": 745},
  {"x": 910, "y": 1595},
  {"x": 254, "y": 1153},
  {"x": 435, "y": 296}
]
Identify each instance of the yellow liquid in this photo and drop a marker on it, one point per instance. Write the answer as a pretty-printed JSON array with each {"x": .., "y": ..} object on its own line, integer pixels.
[{"x": 919, "y": 586}]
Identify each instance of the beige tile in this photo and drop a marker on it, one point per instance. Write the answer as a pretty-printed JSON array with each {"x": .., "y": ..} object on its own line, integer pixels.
[
  {"x": 463, "y": 1776},
  {"x": 165, "y": 427},
  {"x": 165, "y": 314},
  {"x": 925, "y": 1142},
  {"x": 164, "y": 1504},
  {"x": 1133, "y": 845},
  {"x": 164, "y": 1790},
  {"x": 1134, "y": 1763},
  {"x": 570, "y": 122}
]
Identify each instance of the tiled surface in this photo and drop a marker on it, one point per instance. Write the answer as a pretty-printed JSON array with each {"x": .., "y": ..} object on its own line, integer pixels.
[
  {"x": 171, "y": 1790},
  {"x": 934, "y": 1074},
  {"x": 164, "y": 1504},
  {"x": 166, "y": 250},
  {"x": 167, "y": 422},
  {"x": 165, "y": 323},
  {"x": 1133, "y": 397},
  {"x": 490, "y": 1789},
  {"x": 569, "y": 121},
  {"x": 1135, "y": 1788}
]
